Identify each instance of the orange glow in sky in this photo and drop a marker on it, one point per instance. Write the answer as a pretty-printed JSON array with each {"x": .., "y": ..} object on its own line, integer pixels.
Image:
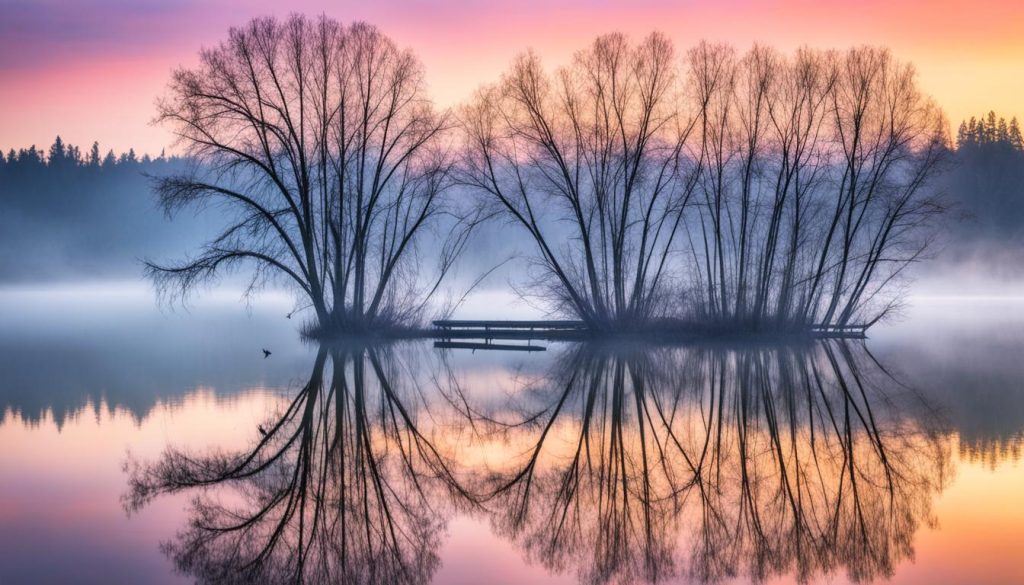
[{"x": 92, "y": 69}]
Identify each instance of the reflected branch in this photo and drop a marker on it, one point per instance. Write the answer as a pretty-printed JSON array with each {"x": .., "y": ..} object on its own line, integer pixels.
[
  {"x": 344, "y": 486},
  {"x": 715, "y": 463}
]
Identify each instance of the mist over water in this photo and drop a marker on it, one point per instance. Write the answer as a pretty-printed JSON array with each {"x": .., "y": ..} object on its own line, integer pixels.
[
  {"x": 736, "y": 316},
  {"x": 97, "y": 376},
  {"x": 93, "y": 372}
]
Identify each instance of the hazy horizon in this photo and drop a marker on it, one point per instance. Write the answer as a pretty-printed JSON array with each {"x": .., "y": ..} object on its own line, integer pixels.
[{"x": 409, "y": 305}]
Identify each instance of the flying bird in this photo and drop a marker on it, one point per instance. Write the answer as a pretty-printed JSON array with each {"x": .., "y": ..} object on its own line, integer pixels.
[{"x": 266, "y": 354}]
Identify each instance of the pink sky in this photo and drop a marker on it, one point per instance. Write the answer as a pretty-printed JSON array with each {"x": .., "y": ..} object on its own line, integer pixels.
[{"x": 92, "y": 69}]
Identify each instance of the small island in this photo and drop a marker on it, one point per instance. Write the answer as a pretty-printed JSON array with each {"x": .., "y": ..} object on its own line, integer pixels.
[{"x": 723, "y": 193}]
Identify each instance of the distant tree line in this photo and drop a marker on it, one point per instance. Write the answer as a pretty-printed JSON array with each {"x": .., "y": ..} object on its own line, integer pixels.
[
  {"x": 65, "y": 215},
  {"x": 987, "y": 185},
  {"x": 988, "y": 131},
  {"x": 61, "y": 155}
]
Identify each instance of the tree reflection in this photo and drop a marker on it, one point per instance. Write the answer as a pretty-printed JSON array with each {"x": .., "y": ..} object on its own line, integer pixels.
[
  {"x": 345, "y": 485},
  {"x": 619, "y": 465},
  {"x": 716, "y": 463}
]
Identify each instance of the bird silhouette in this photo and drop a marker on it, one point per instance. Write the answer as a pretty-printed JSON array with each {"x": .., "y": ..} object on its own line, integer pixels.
[
  {"x": 266, "y": 354},
  {"x": 289, "y": 315},
  {"x": 262, "y": 430}
]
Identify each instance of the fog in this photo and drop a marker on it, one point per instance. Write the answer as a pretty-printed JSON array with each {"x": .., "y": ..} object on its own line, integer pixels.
[
  {"x": 707, "y": 313},
  {"x": 62, "y": 222},
  {"x": 83, "y": 223},
  {"x": 68, "y": 218}
]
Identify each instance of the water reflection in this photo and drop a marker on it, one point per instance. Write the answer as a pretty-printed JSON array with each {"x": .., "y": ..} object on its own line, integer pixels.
[
  {"x": 61, "y": 350},
  {"x": 617, "y": 465},
  {"x": 344, "y": 485},
  {"x": 714, "y": 463},
  {"x": 972, "y": 367}
]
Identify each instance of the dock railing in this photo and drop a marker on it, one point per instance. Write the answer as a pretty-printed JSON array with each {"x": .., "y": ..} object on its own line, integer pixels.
[
  {"x": 447, "y": 330},
  {"x": 486, "y": 331},
  {"x": 487, "y": 325},
  {"x": 840, "y": 331}
]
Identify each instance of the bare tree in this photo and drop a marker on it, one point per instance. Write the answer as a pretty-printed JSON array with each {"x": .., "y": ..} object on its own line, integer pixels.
[
  {"x": 320, "y": 142},
  {"x": 343, "y": 485},
  {"x": 770, "y": 191},
  {"x": 892, "y": 138},
  {"x": 596, "y": 147},
  {"x": 816, "y": 185}
]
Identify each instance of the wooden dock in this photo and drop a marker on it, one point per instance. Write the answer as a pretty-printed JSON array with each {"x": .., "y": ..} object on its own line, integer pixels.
[
  {"x": 457, "y": 325},
  {"x": 839, "y": 331},
  {"x": 481, "y": 334},
  {"x": 449, "y": 329},
  {"x": 486, "y": 346}
]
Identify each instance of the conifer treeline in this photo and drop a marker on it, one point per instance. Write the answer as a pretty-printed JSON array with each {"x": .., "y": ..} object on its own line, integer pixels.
[
  {"x": 63, "y": 155},
  {"x": 987, "y": 184},
  {"x": 66, "y": 214},
  {"x": 977, "y": 131},
  {"x": 989, "y": 130}
]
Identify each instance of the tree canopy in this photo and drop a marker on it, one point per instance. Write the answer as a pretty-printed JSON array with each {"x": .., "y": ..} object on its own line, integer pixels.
[
  {"x": 321, "y": 138},
  {"x": 755, "y": 190}
]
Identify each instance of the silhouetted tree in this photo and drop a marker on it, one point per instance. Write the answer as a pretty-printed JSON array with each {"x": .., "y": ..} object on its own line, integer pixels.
[
  {"x": 892, "y": 139},
  {"x": 651, "y": 465},
  {"x": 94, "y": 155},
  {"x": 595, "y": 146},
  {"x": 322, "y": 140},
  {"x": 990, "y": 132},
  {"x": 343, "y": 486},
  {"x": 767, "y": 191},
  {"x": 57, "y": 154},
  {"x": 817, "y": 188},
  {"x": 1014, "y": 135}
]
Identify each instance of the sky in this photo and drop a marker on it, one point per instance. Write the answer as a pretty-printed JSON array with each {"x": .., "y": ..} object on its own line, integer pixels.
[{"x": 93, "y": 69}]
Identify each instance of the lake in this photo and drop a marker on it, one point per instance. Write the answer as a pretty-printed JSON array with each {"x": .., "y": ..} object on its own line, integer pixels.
[{"x": 140, "y": 446}]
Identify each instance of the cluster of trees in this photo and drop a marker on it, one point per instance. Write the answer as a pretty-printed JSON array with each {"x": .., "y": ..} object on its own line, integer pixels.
[
  {"x": 989, "y": 131},
  {"x": 67, "y": 216},
  {"x": 768, "y": 191},
  {"x": 987, "y": 186},
  {"x": 61, "y": 155},
  {"x": 757, "y": 190}
]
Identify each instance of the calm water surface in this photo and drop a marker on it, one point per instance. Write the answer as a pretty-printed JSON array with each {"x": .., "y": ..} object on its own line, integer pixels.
[{"x": 140, "y": 447}]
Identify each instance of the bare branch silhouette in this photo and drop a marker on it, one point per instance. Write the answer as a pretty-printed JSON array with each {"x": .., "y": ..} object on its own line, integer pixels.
[
  {"x": 319, "y": 140},
  {"x": 342, "y": 486},
  {"x": 757, "y": 462}
]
